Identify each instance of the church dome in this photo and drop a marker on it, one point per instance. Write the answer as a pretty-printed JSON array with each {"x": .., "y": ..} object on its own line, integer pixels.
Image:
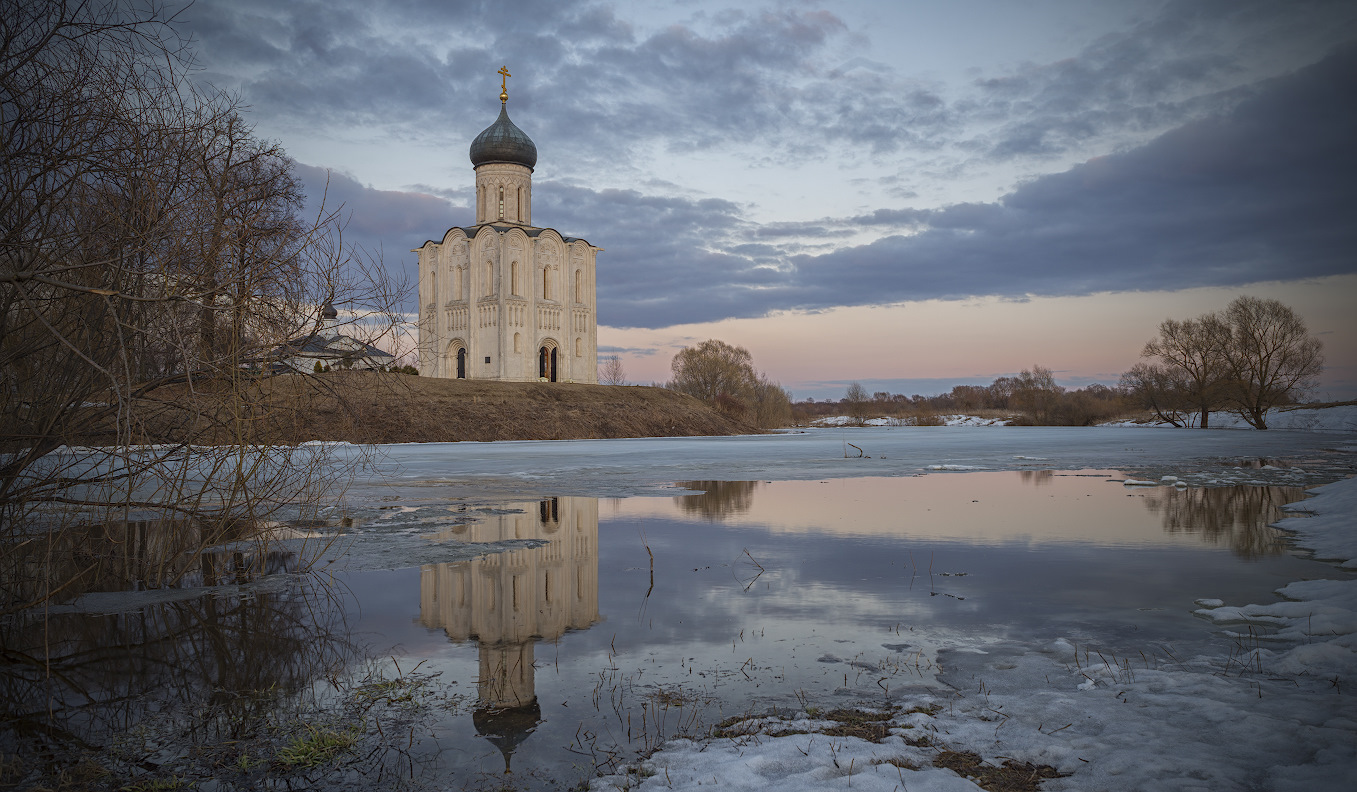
[{"x": 502, "y": 141}]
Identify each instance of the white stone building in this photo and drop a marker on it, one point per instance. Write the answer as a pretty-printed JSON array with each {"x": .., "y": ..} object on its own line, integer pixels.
[
  {"x": 330, "y": 349},
  {"x": 504, "y": 299}
]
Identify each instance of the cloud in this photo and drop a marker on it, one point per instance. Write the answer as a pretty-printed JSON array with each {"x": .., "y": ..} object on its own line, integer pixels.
[
  {"x": 1247, "y": 180},
  {"x": 1263, "y": 192},
  {"x": 389, "y": 222}
]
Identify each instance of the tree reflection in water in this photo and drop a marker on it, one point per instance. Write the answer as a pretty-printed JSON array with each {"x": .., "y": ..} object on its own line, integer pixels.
[
  {"x": 1238, "y": 516},
  {"x": 1037, "y": 478},
  {"x": 716, "y": 499},
  {"x": 182, "y": 677}
]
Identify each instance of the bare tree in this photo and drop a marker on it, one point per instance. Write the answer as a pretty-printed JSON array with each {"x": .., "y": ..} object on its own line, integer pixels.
[
  {"x": 1273, "y": 359},
  {"x": 1194, "y": 353},
  {"x": 772, "y": 404},
  {"x": 1251, "y": 357},
  {"x": 611, "y": 371},
  {"x": 1036, "y": 393},
  {"x": 1159, "y": 389},
  {"x": 715, "y": 372},
  {"x": 153, "y": 257},
  {"x": 723, "y": 376},
  {"x": 855, "y": 399}
]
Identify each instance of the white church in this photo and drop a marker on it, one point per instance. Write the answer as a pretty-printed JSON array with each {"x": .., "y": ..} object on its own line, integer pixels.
[{"x": 504, "y": 299}]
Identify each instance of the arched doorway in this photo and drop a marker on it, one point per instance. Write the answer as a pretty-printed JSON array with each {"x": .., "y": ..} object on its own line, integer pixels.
[
  {"x": 461, "y": 363},
  {"x": 546, "y": 363}
]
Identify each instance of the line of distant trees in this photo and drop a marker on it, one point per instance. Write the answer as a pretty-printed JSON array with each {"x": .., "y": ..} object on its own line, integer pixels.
[
  {"x": 1030, "y": 398},
  {"x": 1255, "y": 355}
]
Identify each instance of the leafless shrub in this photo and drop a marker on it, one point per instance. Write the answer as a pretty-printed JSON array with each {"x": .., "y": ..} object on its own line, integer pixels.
[
  {"x": 724, "y": 376},
  {"x": 611, "y": 371}
]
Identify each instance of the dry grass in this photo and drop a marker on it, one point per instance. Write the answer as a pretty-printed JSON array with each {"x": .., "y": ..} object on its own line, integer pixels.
[
  {"x": 370, "y": 407},
  {"x": 1010, "y": 777}
]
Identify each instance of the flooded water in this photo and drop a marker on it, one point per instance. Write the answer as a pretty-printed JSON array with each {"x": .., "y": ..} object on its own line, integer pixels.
[{"x": 617, "y": 623}]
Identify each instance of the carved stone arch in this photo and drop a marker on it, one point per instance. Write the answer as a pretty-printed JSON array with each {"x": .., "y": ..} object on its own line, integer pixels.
[
  {"x": 548, "y": 353},
  {"x": 458, "y": 359}
]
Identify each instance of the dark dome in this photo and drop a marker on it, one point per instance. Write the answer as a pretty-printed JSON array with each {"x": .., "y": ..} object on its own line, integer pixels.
[{"x": 503, "y": 142}]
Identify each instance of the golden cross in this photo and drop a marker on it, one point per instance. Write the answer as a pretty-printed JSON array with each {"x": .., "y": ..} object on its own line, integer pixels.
[{"x": 503, "y": 83}]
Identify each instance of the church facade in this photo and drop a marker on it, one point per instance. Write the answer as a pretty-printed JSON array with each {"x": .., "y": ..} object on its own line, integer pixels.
[{"x": 504, "y": 299}]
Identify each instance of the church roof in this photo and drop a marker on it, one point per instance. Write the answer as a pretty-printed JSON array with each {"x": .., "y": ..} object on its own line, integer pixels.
[
  {"x": 336, "y": 346},
  {"x": 502, "y": 141},
  {"x": 471, "y": 231}
]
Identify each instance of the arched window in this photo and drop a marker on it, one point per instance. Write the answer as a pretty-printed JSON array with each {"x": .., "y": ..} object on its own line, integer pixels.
[
  {"x": 513, "y": 278},
  {"x": 501, "y": 203},
  {"x": 457, "y": 283},
  {"x": 579, "y": 286},
  {"x": 461, "y": 363},
  {"x": 518, "y": 342},
  {"x": 489, "y": 278},
  {"x": 546, "y": 283},
  {"x": 579, "y": 347},
  {"x": 433, "y": 287}
]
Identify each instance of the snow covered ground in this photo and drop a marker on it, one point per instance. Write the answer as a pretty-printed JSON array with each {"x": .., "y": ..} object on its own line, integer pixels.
[
  {"x": 947, "y": 420},
  {"x": 1333, "y": 419},
  {"x": 1276, "y": 714},
  {"x": 1330, "y": 419}
]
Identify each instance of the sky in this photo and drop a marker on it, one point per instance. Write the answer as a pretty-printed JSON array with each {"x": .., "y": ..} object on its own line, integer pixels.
[{"x": 910, "y": 195}]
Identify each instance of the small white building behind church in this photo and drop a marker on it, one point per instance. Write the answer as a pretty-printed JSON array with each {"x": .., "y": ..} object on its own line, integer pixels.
[{"x": 504, "y": 299}]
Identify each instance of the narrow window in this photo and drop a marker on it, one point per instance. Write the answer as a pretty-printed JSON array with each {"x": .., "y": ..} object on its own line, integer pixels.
[
  {"x": 433, "y": 287},
  {"x": 513, "y": 278},
  {"x": 518, "y": 346},
  {"x": 489, "y": 278},
  {"x": 501, "y": 203},
  {"x": 579, "y": 286},
  {"x": 579, "y": 347},
  {"x": 546, "y": 283}
]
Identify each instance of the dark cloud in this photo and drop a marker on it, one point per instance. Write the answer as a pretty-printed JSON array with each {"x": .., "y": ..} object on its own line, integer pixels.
[
  {"x": 1261, "y": 193},
  {"x": 785, "y": 85},
  {"x": 385, "y": 222},
  {"x": 1264, "y": 192},
  {"x": 1194, "y": 58}
]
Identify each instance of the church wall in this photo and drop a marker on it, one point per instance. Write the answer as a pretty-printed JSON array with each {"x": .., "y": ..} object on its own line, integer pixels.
[{"x": 507, "y": 291}]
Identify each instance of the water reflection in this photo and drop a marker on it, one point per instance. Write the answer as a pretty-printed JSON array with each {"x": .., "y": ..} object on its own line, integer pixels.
[
  {"x": 133, "y": 555},
  {"x": 508, "y": 602},
  {"x": 200, "y": 670},
  {"x": 1239, "y": 517},
  {"x": 716, "y": 499},
  {"x": 1028, "y": 507},
  {"x": 1037, "y": 478}
]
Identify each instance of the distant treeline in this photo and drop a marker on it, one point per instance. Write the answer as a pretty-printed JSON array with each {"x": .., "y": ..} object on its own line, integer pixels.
[{"x": 1031, "y": 398}]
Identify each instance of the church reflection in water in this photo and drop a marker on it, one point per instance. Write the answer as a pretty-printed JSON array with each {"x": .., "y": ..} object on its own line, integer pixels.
[{"x": 509, "y": 601}]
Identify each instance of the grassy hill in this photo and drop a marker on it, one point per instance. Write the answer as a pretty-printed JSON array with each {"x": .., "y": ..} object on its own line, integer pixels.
[{"x": 369, "y": 407}]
